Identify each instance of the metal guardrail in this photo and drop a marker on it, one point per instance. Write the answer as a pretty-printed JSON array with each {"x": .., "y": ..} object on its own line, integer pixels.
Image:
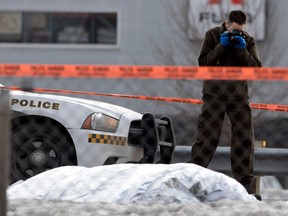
[
  {"x": 4, "y": 148},
  {"x": 268, "y": 161}
]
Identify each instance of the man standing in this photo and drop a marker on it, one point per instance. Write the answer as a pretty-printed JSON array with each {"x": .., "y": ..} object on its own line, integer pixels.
[{"x": 227, "y": 45}]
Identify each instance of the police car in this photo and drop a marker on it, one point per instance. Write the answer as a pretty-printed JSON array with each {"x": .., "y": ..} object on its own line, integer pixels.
[{"x": 49, "y": 131}]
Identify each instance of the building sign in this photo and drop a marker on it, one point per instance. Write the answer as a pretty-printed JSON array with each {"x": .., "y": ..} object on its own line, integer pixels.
[{"x": 206, "y": 14}]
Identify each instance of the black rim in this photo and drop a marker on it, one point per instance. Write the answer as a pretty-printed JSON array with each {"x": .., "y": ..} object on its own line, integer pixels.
[{"x": 36, "y": 155}]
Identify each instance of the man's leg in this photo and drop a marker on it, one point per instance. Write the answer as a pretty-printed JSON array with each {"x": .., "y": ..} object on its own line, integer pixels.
[
  {"x": 242, "y": 143},
  {"x": 208, "y": 132}
]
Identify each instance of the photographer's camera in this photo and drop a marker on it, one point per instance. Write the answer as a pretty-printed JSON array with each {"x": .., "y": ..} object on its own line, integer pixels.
[{"x": 236, "y": 32}]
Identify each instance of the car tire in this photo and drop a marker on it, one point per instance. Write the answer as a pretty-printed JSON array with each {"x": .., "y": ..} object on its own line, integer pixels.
[{"x": 38, "y": 146}]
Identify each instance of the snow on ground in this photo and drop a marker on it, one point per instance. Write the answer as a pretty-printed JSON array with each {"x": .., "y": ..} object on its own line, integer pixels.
[
  {"x": 26, "y": 207},
  {"x": 182, "y": 189},
  {"x": 131, "y": 183}
]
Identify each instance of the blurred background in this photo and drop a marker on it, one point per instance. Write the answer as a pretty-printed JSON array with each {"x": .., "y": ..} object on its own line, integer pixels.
[{"x": 144, "y": 32}]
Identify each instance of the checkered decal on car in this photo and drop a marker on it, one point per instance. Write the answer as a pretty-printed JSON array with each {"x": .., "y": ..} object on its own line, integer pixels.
[{"x": 106, "y": 139}]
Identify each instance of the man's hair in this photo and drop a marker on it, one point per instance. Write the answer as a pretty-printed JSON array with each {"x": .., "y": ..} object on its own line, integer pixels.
[{"x": 237, "y": 16}]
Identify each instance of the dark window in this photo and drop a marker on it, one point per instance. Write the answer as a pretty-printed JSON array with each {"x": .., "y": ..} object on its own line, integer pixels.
[{"x": 58, "y": 28}]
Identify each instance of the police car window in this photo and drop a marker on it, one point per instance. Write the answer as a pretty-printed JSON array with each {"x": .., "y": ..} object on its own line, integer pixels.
[{"x": 58, "y": 28}]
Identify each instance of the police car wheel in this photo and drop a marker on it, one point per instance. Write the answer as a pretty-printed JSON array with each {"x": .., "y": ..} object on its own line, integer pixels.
[{"x": 38, "y": 147}]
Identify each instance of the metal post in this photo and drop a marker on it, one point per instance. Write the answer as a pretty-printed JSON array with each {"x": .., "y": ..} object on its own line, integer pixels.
[
  {"x": 4, "y": 148},
  {"x": 258, "y": 144}
]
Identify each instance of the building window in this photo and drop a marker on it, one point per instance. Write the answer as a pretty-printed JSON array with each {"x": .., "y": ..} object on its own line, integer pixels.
[{"x": 58, "y": 28}]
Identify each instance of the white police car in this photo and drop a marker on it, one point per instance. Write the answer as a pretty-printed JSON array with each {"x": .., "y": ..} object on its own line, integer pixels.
[{"x": 49, "y": 131}]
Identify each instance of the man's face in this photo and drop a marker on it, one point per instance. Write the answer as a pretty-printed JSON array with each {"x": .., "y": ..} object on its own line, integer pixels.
[{"x": 230, "y": 26}]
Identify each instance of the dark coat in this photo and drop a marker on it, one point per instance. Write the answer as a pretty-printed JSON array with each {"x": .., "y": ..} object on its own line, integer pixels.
[{"x": 212, "y": 53}]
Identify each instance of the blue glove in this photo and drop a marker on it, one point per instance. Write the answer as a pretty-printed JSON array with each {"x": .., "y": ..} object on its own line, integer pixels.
[
  {"x": 225, "y": 39},
  {"x": 241, "y": 42}
]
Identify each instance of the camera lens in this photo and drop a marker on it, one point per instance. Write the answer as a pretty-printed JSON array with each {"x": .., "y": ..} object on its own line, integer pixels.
[
  {"x": 233, "y": 33},
  {"x": 233, "y": 41}
]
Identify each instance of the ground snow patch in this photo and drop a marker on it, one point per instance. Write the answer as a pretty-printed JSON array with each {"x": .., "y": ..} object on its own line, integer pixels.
[{"x": 130, "y": 183}]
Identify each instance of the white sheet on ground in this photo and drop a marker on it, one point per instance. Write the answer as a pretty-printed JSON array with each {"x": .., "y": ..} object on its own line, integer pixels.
[{"x": 128, "y": 183}]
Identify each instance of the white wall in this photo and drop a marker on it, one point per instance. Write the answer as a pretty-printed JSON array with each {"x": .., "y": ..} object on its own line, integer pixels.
[
  {"x": 139, "y": 20},
  {"x": 144, "y": 26}
]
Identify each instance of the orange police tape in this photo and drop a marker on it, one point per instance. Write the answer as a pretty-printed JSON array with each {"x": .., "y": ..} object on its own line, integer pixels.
[
  {"x": 143, "y": 72},
  {"x": 259, "y": 106}
]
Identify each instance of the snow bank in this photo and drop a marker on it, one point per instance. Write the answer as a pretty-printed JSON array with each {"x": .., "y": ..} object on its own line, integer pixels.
[{"x": 131, "y": 183}]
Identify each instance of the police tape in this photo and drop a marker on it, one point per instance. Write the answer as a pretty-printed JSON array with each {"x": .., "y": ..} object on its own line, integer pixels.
[
  {"x": 143, "y": 72},
  {"x": 259, "y": 106}
]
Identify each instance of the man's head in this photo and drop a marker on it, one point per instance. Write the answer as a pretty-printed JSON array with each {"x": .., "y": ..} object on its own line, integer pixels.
[{"x": 236, "y": 20}]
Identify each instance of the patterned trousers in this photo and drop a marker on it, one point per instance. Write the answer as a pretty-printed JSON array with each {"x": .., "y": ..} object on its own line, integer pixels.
[{"x": 242, "y": 140}]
